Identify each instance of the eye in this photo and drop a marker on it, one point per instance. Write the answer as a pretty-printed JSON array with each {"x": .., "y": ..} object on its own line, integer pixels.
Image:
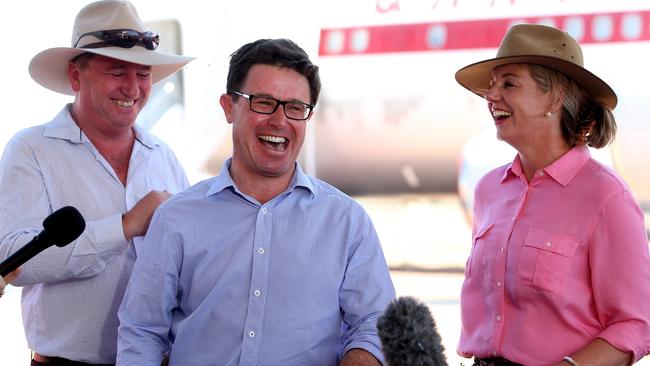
[
  {"x": 264, "y": 102},
  {"x": 297, "y": 107},
  {"x": 144, "y": 73},
  {"x": 508, "y": 84}
]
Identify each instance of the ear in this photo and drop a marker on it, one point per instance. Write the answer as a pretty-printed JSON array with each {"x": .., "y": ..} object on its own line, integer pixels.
[
  {"x": 74, "y": 76},
  {"x": 226, "y": 103},
  {"x": 556, "y": 100}
]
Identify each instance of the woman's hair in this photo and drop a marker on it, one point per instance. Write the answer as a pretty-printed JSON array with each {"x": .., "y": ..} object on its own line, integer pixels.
[{"x": 584, "y": 121}]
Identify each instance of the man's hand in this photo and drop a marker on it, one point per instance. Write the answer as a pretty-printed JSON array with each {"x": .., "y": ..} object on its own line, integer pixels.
[
  {"x": 359, "y": 357},
  {"x": 136, "y": 221}
]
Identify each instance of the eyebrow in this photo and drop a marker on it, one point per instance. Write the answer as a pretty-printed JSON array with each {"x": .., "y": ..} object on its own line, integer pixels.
[{"x": 126, "y": 65}]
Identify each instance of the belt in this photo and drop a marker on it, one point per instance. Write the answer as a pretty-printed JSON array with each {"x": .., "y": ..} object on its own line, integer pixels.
[
  {"x": 495, "y": 361},
  {"x": 40, "y": 360}
]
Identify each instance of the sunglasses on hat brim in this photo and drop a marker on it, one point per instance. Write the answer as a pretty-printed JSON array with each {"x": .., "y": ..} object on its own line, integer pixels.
[{"x": 125, "y": 38}]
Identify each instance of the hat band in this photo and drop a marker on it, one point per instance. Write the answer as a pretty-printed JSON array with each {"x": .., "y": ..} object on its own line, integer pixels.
[{"x": 124, "y": 38}]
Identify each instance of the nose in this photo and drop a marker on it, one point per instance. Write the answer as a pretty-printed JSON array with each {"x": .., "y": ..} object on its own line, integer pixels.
[
  {"x": 278, "y": 118},
  {"x": 130, "y": 85},
  {"x": 492, "y": 94}
]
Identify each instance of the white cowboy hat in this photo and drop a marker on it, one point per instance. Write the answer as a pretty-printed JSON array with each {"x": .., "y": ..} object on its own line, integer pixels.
[
  {"x": 539, "y": 45},
  {"x": 49, "y": 67}
]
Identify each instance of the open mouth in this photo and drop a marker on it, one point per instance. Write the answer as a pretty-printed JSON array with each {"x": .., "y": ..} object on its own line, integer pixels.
[
  {"x": 277, "y": 143},
  {"x": 499, "y": 114},
  {"x": 123, "y": 103}
]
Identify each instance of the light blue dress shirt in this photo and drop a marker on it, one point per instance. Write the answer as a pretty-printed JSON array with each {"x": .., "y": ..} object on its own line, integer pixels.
[
  {"x": 297, "y": 281},
  {"x": 71, "y": 294}
]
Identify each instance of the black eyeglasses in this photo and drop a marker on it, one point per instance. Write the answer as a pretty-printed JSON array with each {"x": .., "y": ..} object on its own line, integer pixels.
[
  {"x": 125, "y": 38},
  {"x": 268, "y": 105}
]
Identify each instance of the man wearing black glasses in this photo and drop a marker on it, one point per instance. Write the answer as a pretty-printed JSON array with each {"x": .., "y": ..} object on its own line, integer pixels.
[
  {"x": 261, "y": 265},
  {"x": 93, "y": 157}
]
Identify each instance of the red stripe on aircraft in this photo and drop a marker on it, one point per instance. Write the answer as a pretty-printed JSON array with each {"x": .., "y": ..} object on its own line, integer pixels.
[{"x": 629, "y": 26}]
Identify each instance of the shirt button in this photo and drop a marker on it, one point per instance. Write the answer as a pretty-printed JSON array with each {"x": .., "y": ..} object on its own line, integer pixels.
[
  {"x": 503, "y": 249},
  {"x": 541, "y": 174},
  {"x": 499, "y": 284},
  {"x": 258, "y": 292},
  {"x": 261, "y": 250},
  {"x": 251, "y": 334},
  {"x": 498, "y": 318},
  {"x": 548, "y": 244},
  {"x": 513, "y": 218},
  {"x": 264, "y": 210}
]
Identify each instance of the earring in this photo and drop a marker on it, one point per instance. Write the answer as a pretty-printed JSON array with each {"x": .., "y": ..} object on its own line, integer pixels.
[{"x": 548, "y": 114}]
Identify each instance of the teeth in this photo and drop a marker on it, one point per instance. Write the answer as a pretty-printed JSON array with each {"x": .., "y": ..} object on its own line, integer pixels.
[
  {"x": 124, "y": 103},
  {"x": 500, "y": 113},
  {"x": 274, "y": 139}
]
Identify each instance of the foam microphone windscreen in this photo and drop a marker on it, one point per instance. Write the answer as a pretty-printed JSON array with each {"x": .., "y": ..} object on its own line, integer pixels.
[{"x": 409, "y": 336}]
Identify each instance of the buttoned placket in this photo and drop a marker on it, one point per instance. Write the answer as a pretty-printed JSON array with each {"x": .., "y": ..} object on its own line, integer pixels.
[
  {"x": 500, "y": 274},
  {"x": 259, "y": 282}
]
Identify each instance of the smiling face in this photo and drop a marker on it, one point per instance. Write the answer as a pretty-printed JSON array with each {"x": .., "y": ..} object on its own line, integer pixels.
[
  {"x": 109, "y": 93},
  {"x": 519, "y": 107},
  {"x": 266, "y": 145}
]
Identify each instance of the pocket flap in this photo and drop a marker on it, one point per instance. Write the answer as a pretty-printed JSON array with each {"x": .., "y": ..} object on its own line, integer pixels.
[
  {"x": 482, "y": 231},
  {"x": 561, "y": 244}
]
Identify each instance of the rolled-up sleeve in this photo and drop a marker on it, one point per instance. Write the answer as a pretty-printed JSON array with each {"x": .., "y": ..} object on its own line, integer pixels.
[
  {"x": 620, "y": 271},
  {"x": 366, "y": 290}
]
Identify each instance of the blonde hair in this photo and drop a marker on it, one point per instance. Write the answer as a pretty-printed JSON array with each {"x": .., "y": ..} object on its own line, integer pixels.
[{"x": 584, "y": 121}]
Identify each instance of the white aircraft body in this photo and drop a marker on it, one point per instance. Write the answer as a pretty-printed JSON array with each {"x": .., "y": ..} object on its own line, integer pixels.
[{"x": 391, "y": 118}]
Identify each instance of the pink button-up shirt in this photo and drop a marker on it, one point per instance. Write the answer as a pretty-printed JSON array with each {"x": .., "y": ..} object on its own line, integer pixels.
[{"x": 556, "y": 262}]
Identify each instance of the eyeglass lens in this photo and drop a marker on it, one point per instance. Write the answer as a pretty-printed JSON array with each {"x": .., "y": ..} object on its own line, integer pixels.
[{"x": 268, "y": 105}]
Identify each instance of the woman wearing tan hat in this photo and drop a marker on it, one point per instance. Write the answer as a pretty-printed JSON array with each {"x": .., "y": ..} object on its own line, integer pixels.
[{"x": 559, "y": 272}]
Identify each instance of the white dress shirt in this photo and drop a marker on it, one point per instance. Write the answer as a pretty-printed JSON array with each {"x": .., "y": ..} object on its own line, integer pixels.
[{"x": 71, "y": 294}]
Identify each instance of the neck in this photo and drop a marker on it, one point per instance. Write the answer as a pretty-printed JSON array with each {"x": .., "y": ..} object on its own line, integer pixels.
[
  {"x": 534, "y": 158},
  {"x": 262, "y": 188},
  {"x": 115, "y": 147}
]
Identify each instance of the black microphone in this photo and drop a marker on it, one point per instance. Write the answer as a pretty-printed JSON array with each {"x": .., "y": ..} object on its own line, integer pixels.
[
  {"x": 60, "y": 228},
  {"x": 409, "y": 336}
]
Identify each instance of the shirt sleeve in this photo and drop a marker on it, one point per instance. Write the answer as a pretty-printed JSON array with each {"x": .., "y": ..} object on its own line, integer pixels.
[
  {"x": 151, "y": 297},
  {"x": 366, "y": 290},
  {"x": 24, "y": 204},
  {"x": 620, "y": 266}
]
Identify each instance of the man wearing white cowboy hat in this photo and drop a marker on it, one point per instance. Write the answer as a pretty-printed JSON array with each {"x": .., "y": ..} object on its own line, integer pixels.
[{"x": 93, "y": 157}]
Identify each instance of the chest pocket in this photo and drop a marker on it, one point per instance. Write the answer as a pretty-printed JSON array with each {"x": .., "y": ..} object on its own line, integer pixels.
[
  {"x": 478, "y": 245},
  {"x": 546, "y": 260}
]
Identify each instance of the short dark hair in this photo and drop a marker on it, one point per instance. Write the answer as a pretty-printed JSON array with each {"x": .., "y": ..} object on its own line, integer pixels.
[
  {"x": 274, "y": 52},
  {"x": 81, "y": 60},
  {"x": 584, "y": 120}
]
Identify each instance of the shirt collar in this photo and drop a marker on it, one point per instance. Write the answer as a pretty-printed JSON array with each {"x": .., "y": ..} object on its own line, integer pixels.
[
  {"x": 224, "y": 180},
  {"x": 64, "y": 127},
  {"x": 562, "y": 170}
]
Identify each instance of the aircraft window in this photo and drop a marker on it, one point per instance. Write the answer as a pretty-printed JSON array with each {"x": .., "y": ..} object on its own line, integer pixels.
[
  {"x": 437, "y": 36},
  {"x": 575, "y": 26},
  {"x": 360, "y": 39},
  {"x": 335, "y": 41},
  {"x": 167, "y": 93},
  {"x": 547, "y": 21},
  {"x": 632, "y": 25},
  {"x": 602, "y": 28}
]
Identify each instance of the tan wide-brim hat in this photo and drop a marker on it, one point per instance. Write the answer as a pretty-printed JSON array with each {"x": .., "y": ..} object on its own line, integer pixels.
[
  {"x": 49, "y": 67},
  {"x": 540, "y": 45}
]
